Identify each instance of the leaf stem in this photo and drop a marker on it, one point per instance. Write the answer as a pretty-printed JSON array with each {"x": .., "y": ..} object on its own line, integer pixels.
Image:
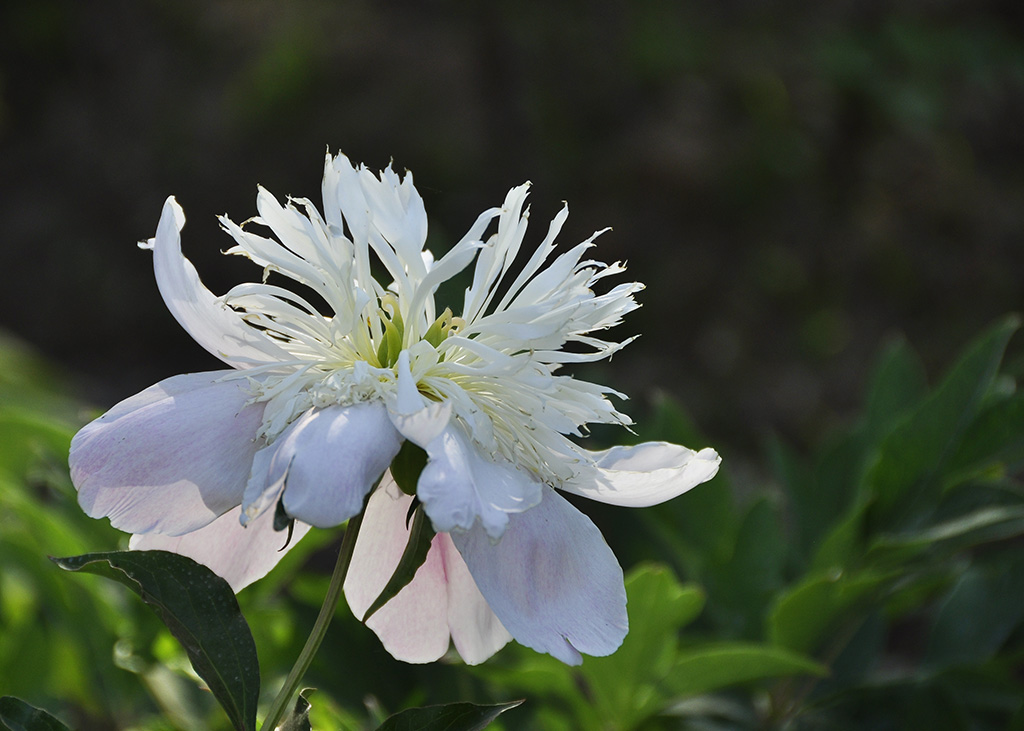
[{"x": 316, "y": 636}]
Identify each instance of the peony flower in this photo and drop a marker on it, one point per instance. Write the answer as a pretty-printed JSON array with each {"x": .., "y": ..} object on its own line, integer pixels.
[{"x": 330, "y": 383}]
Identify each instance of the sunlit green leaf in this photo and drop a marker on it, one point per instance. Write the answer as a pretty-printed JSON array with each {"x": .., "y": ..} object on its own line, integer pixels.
[
  {"x": 451, "y": 717},
  {"x": 200, "y": 610},
  {"x": 623, "y": 685},
  {"x": 803, "y": 614}
]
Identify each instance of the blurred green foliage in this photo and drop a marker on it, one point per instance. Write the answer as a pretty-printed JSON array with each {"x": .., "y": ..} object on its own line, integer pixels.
[{"x": 877, "y": 582}]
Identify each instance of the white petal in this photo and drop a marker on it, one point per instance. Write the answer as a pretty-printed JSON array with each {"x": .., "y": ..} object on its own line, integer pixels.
[
  {"x": 425, "y": 425},
  {"x": 209, "y": 321},
  {"x": 331, "y": 458},
  {"x": 169, "y": 459},
  {"x": 239, "y": 555},
  {"x": 260, "y": 492},
  {"x": 551, "y": 580},
  {"x": 645, "y": 474},
  {"x": 459, "y": 485},
  {"x": 441, "y": 599}
]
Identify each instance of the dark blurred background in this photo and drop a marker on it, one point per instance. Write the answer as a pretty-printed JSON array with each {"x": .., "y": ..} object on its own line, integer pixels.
[{"x": 795, "y": 182}]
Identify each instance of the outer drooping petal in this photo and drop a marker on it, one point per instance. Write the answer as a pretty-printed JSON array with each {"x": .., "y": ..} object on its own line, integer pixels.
[
  {"x": 239, "y": 555},
  {"x": 209, "y": 321},
  {"x": 551, "y": 580},
  {"x": 441, "y": 600},
  {"x": 330, "y": 458},
  {"x": 645, "y": 474},
  {"x": 459, "y": 485},
  {"x": 169, "y": 459}
]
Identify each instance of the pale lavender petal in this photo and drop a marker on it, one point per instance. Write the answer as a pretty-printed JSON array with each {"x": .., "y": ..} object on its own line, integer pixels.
[
  {"x": 645, "y": 474},
  {"x": 413, "y": 626},
  {"x": 459, "y": 485},
  {"x": 240, "y": 555},
  {"x": 209, "y": 321},
  {"x": 331, "y": 458},
  {"x": 551, "y": 580},
  {"x": 171, "y": 458}
]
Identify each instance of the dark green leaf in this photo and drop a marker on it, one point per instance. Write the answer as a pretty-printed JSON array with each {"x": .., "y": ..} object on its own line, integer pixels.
[
  {"x": 298, "y": 719},
  {"x": 705, "y": 669},
  {"x": 918, "y": 448},
  {"x": 897, "y": 385},
  {"x": 984, "y": 607},
  {"x": 994, "y": 443},
  {"x": 17, "y": 715},
  {"x": 421, "y": 533},
  {"x": 451, "y": 717},
  {"x": 980, "y": 526},
  {"x": 201, "y": 612}
]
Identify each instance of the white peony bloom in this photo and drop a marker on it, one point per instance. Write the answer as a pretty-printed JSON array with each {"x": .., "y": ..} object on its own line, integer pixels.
[{"x": 330, "y": 381}]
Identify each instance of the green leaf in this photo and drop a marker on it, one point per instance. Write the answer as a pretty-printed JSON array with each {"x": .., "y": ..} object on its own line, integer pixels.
[
  {"x": 918, "y": 448},
  {"x": 993, "y": 444},
  {"x": 897, "y": 385},
  {"x": 17, "y": 715},
  {"x": 623, "y": 685},
  {"x": 981, "y": 611},
  {"x": 803, "y": 614},
  {"x": 980, "y": 526},
  {"x": 201, "y": 612},
  {"x": 705, "y": 669},
  {"x": 421, "y": 533},
  {"x": 451, "y": 717}
]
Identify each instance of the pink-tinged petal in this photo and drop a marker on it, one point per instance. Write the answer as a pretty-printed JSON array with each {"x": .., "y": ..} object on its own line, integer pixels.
[
  {"x": 645, "y": 474},
  {"x": 331, "y": 458},
  {"x": 441, "y": 599},
  {"x": 551, "y": 580},
  {"x": 239, "y": 555},
  {"x": 459, "y": 485},
  {"x": 209, "y": 321},
  {"x": 171, "y": 458},
  {"x": 477, "y": 633},
  {"x": 413, "y": 626}
]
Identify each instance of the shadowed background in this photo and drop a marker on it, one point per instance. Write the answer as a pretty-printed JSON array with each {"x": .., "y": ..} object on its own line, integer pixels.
[{"x": 794, "y": 182}]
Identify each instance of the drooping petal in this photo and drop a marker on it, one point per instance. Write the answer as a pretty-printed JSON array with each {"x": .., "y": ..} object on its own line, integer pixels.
[
  {"x": 459, "y": 485},
  {"x": 207, "y": 319},
  {"x": 239, "y": 555},
  {"x": 330, "y": 459},
  {"x": 645, "y": 474},
  {"x": 477, "y": 633},
  {"x": 441, "y": 599},
  {"x": 169, "y": 459},
  {"x": 551, "y": 580},
  {"x": 413, "y": 626}
]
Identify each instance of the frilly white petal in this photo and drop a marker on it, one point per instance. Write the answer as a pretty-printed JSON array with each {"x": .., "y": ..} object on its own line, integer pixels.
[
  {"x": 239, "y": 555},
  {"x": 551, "y": 580},
  {"x": 460, "y": 485},
  {"x": 643, "y": 475},
  {"x": 441, "y": 600},
  {"x": 206, "y": 318},
  {"x": 329, "y": 459},
  {"x": 169, "y": 459}
]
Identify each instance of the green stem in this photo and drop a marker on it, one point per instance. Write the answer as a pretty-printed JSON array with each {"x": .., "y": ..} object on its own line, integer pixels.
[{"x": 319, "y": 629}]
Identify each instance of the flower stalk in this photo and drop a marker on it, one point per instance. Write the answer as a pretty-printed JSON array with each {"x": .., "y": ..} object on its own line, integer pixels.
[{"x": 316, "y": 636}]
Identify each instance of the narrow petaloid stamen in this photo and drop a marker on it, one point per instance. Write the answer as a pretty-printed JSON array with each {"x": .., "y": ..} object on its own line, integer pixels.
[{"x": 496, "y": 364}]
